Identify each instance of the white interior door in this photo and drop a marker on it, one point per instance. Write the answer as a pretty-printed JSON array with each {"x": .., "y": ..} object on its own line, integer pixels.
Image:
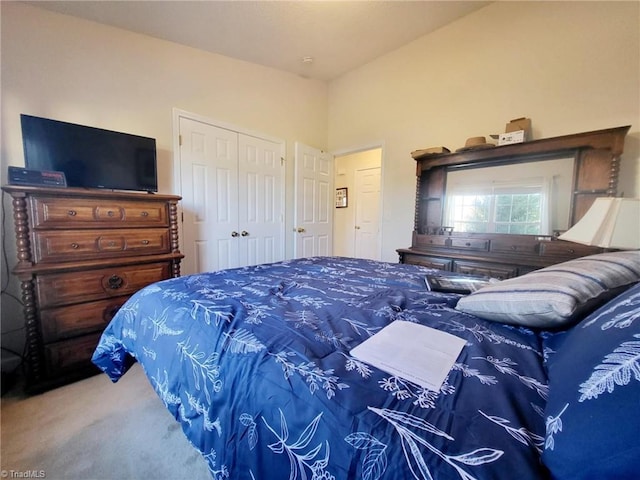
[
  {"x": 367, "y": 206},
  {"x": 260, "y": 188},
  {"x": 209, "y": 179},
  {"x": 313, "y": 228}
]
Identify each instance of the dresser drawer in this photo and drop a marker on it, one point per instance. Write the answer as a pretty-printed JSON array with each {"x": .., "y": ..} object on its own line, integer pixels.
[
  {"x": 566, "y": 249},
  {"x": 69, "y": 245},
  {"x": 74, "y": 320},
  {"x": 67, "y": 355},
  {"x": 84, "y": 286},
  {"x": 97, "y": 213},
  {"x": 431, "y": 241},
  {"x": 485, "y": 269},
  {"x": 470, "y": 244},
  {"x": 427, "y": 261},
  {"x": 513, "y": 246}
]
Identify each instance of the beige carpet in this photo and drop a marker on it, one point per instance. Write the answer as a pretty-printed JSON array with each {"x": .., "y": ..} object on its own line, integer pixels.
[{"x": 96, "y": 430}]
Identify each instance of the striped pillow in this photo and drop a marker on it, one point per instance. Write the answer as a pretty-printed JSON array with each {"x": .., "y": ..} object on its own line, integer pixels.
[{"x": 556, "y": 296}]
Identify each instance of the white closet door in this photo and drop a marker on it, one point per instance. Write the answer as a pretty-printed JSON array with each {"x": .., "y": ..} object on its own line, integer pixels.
[
  {"x": 232, "y": 187},
  {"x": 261, "y": 201},
  {"x": 209, "y": 179}
]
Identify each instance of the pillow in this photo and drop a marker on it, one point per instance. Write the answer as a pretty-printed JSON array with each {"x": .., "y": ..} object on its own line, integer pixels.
[
  {"x": 556, "y": 296},
  {"x": 592, "y": 413}
]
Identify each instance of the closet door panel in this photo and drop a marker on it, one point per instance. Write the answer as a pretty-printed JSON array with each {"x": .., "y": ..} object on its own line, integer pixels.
[
  {"x": 260, "y": 188},
  {"x": 209, "y": 179}
]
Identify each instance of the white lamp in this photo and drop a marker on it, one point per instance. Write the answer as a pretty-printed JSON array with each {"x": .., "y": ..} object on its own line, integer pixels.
[{"x": 609, "y": 223}]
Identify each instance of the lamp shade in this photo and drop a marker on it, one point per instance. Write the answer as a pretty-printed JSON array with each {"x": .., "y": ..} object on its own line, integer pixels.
[{"x": 609, "y": 223}]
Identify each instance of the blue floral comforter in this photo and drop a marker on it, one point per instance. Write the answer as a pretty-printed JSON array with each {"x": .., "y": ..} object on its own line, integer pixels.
[{"x": 254, "y": 363}]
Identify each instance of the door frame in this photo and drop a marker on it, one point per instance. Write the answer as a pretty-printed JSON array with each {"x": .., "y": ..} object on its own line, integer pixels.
[
  {"x": 176, "y": 115},
  {"x": 363, "y": 148}
]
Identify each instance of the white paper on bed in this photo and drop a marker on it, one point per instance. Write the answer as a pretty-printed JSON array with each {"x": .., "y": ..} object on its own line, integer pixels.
[{"x": 420, "y": 354}]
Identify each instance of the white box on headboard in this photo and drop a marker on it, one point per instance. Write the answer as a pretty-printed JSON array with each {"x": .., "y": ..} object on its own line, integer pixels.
[{"x": 512, "y": 137}]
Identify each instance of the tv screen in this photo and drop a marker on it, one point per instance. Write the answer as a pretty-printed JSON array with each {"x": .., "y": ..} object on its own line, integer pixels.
[{"x": 90, "y": 157}]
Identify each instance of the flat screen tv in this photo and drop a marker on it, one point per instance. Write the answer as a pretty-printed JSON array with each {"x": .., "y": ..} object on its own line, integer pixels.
[{"x": 90, "y": 157}]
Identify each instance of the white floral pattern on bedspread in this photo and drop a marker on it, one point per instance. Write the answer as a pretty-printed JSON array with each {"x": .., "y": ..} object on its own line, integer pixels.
[
  {"x": 592, "y": 413},
  {"x": 254, "y": 363}
]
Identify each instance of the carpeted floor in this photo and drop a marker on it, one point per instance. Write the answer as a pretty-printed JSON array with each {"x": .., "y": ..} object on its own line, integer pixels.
[{"x": 96, "y": 430}]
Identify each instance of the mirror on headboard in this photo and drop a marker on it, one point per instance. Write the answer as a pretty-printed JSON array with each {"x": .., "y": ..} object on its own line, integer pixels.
[
  {"x": 531, "y": 198},
  {"x": 498, "y": 190}
]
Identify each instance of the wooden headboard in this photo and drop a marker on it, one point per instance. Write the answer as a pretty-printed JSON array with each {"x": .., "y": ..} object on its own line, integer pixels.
[{"x": 596, "y": 165}]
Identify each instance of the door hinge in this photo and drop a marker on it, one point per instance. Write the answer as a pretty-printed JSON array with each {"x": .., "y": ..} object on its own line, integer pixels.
[
  {"x": 282, "y": 161},
  {"x": 182, "y": 217},
  {"x": 180, "y": 140}
]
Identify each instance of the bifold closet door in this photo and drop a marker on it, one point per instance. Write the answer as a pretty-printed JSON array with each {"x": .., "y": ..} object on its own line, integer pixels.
[{"x": 231, "y": 198}]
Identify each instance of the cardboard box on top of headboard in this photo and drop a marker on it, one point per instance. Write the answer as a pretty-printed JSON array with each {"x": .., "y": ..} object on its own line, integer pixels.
[{"x": 517, "y": 130}]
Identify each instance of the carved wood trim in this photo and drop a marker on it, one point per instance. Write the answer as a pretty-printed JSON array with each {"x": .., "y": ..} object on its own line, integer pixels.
[
  {"x": 33, "y": 341},
  {"x": 173, "y": 229},
  {"x": 21, "y": 223}
]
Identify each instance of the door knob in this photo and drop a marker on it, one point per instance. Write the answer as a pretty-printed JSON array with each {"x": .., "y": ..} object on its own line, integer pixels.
[
  {"x": 300, "y": 230},
  {"x": 234, "y": 234},
  {"x": 244, "y": 233},
  {"x": 357, "y": 227}
]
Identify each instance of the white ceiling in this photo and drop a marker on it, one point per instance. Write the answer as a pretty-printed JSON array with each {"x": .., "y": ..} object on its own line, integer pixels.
[{"x": 338, "y": 35}]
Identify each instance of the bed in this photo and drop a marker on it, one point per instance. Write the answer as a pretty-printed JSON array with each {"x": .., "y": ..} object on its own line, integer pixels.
[{"x": 255, "y": 365}]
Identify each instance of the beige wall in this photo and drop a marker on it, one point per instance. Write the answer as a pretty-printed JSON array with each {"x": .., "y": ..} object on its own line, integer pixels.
[
  {"x": 569, "y": 66},
  {"x": 69, "y": 69},
  {"x": 74, "y": 70}
]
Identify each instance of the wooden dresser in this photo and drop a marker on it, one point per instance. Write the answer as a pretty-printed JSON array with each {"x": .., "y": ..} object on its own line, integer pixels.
[
  {"x": 596, "y": 160},
  {"x": 81, "y": 254}
]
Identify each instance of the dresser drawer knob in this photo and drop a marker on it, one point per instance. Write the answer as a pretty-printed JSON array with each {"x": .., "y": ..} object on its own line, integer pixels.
[
  {"x": 145, "y": 242},
  {"x": 115, "y": 282},
  {"x": 145, "y": 214},
  {"x": 110, "y": 213},
  {"x": 72, "y": 213},
  {"x": 75, "y": 246},
  {"x": 467, "y": 244}
]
